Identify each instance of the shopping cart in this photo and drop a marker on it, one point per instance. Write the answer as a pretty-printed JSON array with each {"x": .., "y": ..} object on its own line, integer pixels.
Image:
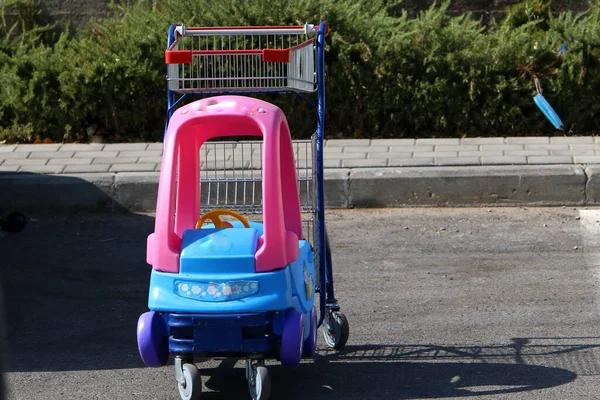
[{"x": 245, "y": 288}]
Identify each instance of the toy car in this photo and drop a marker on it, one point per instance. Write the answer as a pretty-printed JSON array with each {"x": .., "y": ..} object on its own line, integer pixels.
[{"x": 223, "y": 285}]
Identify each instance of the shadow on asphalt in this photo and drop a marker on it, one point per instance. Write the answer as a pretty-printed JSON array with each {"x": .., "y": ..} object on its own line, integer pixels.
[
  {"x": 29, "y": 192},
  {"x": 74, "y": 288},
  {"x": 403, "y": 372},
  {"x": 74, "y": 283}
]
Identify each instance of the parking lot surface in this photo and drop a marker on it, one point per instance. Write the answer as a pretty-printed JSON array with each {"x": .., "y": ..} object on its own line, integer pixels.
[{"x": 478, "y": 303}]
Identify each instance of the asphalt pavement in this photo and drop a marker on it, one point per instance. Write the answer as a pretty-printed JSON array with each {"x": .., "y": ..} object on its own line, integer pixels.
[{"x": 479, "y": 303}]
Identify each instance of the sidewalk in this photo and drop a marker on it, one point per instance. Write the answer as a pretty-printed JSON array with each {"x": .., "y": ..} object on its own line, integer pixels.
[{"x": 358, "y": 172}]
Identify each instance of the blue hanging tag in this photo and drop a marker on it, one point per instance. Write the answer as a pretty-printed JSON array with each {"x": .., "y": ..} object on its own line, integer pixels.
[
  {"x": 546, "y": 108},
  {"x": 562, "y": 49}
]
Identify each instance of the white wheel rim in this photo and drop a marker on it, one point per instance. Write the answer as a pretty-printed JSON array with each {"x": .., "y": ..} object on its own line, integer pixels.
[
  {"x": 331, "y": 338},
  {"x": 258, "y": 385},
  {"x": 186, "y": 389}
]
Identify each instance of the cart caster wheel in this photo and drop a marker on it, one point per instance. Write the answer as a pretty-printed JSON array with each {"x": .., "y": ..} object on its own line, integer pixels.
[
  {"x": 336, "y": 330},
  {"x": 310, "y": 344},
  {"x": 259, "y": 383},
  {"x": 152, "y": 339},
  {"x": 191, "y": 385},
  {"x": 292, "y": 338}
]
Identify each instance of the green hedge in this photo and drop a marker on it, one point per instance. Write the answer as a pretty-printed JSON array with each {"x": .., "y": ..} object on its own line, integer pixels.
[{"x": 387, "y": 75}]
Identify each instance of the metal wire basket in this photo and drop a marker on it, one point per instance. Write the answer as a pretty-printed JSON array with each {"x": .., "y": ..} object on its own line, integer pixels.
[
  {"x": 231, "y": 177},
  {"x": 262, "y": 59}
]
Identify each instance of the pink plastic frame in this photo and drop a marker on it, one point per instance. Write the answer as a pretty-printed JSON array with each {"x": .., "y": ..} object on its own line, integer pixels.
[{"x": 178, "y": 204}]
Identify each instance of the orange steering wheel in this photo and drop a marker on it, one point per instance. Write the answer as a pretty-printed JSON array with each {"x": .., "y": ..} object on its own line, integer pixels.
[{"x": 214, "y": 217}]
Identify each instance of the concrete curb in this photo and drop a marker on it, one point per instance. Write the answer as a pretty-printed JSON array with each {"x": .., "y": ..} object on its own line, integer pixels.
[
  {"x": 544, "y": 185},
  {"x": 469, "y": 186}
]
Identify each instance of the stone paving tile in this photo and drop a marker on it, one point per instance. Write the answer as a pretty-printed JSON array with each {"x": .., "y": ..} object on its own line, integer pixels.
[
  {"x": 527, "y": 140},
  {"x": 378, "y": 156},
  {"x": 527, "y": 153},
  {"x": 115, "y": 160},
  {"x": 224, "y": 145},
  {"x": 42, "y": 169},
  {"x": 94, "y": 154},
  {"x": 82, "y": 169},
  {"x": 70, "y": 161},
  {"x": 239, "y": 163},
  {"x": 132, "y": 167},
  {"x": 370, "y": 149},
  {"x": 345, "y": 156},
  {"x": 14, "y": 156},
  {"x": 466, "y": 147},
  {"x": 411, "y": 162},
  {"x": 502, "y": 147},
  {"x": 393, "y": 142},
  {"x": 412, "y": 149},
  {"x": 51, "y": 154},
  {"x": 126, "y": 146},
  {"x": 217, "y": 155},
  {"x": 570, "y": 140},
  {"x": 232, "y": 172},
  {"x": 333, "y": 163},
  {"x": 595, "y": 146},
  {"x": 302, "y": 156},
  {"x": 504, "y": 160},
  {"x": 82, "y": 147},
  {"x": 444, "y": 154},
  {"x": 37, "y": 147},
  {"x": 364, "y": 163},
  {"x": 7, "y": 148},
  {"x": 549, "y": 160},
  {"x": 586, "y": 159},
  {"x": 254, "y": 161},
  {"x": 492, "y": 140},
  {"x": 244, "y": 152},
  {"x": 590, "y": 152},
  {"x": 436, "y": 142},
  {"x": 147, "y": 153},
  {"x": 458, "y": 161},
  {"x": 155, "y": 146},
  {"x": 25, "y": 162},
  {"x": 348, "y": 142},
  {"x": 303, "y": 164},
  {"x": 480, "y": 153},
  {"x": 563, "y": 146},
  {"x": 10, "y": 168},
  {"x": 144, "y": 160}
]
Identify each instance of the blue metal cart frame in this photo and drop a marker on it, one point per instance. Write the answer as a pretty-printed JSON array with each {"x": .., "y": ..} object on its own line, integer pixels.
[{"x": 328, "y": 302}]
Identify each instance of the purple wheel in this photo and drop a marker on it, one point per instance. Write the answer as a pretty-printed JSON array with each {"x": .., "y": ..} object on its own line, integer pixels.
[
  {"x": 292, "y": 338},
  {"x": 152, "y": 339},
  {"x": 310, "y": 344}
]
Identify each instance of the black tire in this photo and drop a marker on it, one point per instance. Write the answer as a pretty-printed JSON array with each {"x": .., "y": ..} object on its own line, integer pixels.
[
  {"x": 262, "y": 383},
  {"x": 336, "y": 330}
]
